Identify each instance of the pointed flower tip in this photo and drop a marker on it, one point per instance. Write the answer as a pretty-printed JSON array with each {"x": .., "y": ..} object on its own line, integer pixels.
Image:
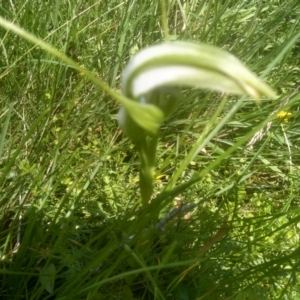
[{"x": 190, "y": 64}]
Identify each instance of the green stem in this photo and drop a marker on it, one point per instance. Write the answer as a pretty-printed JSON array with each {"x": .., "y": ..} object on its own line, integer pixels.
[{"x": 147, "y": 153}]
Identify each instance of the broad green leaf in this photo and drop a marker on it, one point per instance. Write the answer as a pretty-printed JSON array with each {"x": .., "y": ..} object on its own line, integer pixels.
[
  {"x": 126, "y": 293},
  {"x": 47, "y": 277}
]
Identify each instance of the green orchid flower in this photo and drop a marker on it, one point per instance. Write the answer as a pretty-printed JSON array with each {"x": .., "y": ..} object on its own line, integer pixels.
[{"x": 152, "y": 78}]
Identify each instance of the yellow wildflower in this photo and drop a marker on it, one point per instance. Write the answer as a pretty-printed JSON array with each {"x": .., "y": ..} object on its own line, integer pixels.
[
  {"x": 156, "y": 178},
  {"x": 284, "y": 115}
]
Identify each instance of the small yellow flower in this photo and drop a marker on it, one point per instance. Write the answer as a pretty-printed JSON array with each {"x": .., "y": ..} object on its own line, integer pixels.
[
  {"x": 284, "y": 115},
  {"x": 156, "y": 177}
]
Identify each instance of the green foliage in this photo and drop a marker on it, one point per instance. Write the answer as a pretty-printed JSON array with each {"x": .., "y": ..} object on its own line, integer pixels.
[{"x": 72, "y": 225}]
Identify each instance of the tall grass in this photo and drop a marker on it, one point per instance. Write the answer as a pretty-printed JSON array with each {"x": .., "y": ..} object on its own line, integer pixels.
[{"x": 72, "y": 225}]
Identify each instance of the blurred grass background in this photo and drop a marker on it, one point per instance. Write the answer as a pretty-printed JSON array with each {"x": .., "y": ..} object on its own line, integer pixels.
[{"x": 69, "y": 178}]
